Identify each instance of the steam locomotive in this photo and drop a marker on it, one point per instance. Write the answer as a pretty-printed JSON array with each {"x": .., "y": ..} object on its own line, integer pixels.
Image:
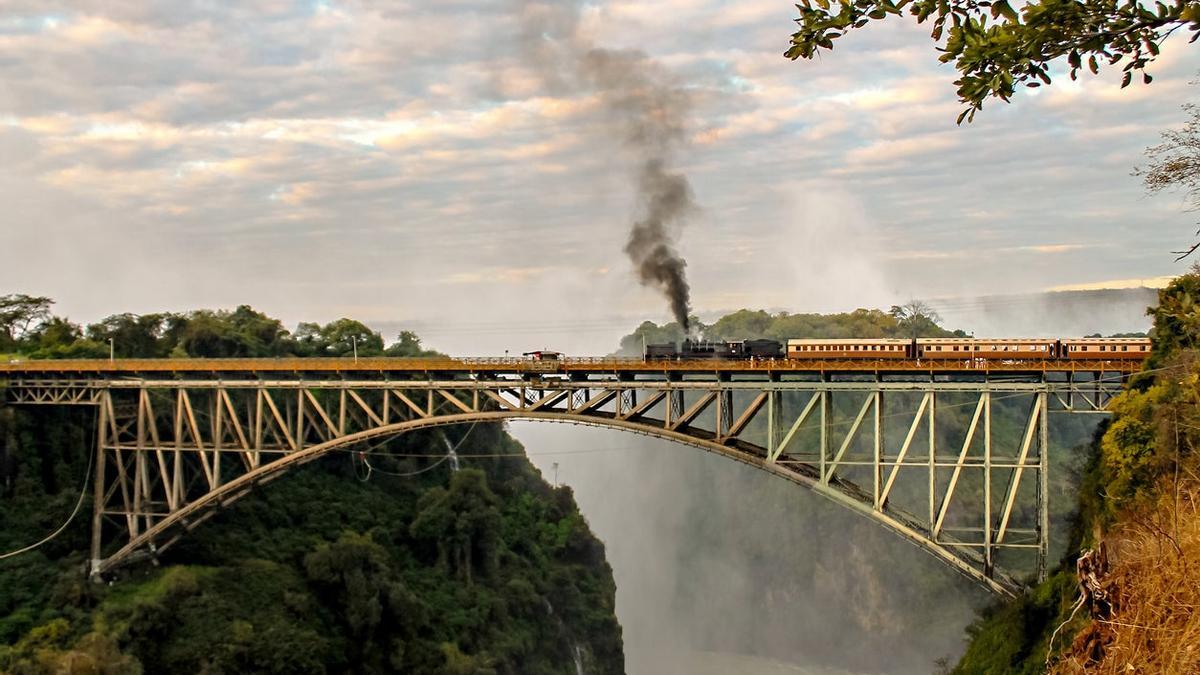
[
  {"x": 1111, "y": 349},
  {"x": 716, "y": 350}
]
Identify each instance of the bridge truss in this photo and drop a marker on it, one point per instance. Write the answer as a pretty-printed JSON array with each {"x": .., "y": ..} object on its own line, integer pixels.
[{"x": 957, "y": 466}]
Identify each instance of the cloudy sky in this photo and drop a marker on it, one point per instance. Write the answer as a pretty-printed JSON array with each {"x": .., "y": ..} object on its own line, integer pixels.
[{"x": 400, "y": 162}]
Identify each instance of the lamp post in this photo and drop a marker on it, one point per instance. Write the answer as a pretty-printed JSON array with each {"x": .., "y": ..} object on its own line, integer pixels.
[
  {"x": 354, "y": 344},
  {"x": 112, "y": 350}
]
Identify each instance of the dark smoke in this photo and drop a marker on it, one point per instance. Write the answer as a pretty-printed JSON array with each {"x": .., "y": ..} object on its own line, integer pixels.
[
  {"x": 648, "y": 111},
  {"x": 668, "y": 199}
]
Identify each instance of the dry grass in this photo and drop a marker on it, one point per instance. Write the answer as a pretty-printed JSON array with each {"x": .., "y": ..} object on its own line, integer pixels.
[{"x": 1154, "y": 585}]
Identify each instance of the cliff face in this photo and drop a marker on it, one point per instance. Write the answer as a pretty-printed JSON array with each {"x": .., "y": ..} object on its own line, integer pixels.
[{"x": 336, "y": 567}]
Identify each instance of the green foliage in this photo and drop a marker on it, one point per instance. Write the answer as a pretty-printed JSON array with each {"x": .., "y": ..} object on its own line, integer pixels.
[
  {"x": 131, "y": 334},
  {"x": 1014, "y": 638},
  {"x": 996, "y": 48},
  {"x": 45, "y": 651},
  {"x": 408, "y": 344},
  {"x": 337, "y": 338},
  {"x": 18, "y": 314},
  {"x": 1176, "y": 318},
  {"x": 315, "y": 572},
  {"x": 242, "y": 332},
  {"x": 463, "y": 521}
]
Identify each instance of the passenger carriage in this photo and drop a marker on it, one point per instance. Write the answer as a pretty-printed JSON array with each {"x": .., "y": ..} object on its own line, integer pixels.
[
  {"x": 1110, "y": 349},
  {"x": 849, "y": 348},
  {"x": 1004, "y": 349}
]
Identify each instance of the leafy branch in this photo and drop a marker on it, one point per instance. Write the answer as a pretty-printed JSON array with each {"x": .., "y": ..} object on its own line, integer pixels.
[{"x": 996, "y": 48}]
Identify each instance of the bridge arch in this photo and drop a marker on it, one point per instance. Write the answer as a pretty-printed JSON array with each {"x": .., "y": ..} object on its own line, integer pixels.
[{"x": 846, "y": 494}]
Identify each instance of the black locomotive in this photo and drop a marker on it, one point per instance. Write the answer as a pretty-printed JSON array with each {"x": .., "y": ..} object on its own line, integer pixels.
[{"x": 715, "y": 349}]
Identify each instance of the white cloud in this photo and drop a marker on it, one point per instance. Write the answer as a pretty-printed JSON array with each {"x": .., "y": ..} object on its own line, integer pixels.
[{"x": 268, "y": 146}]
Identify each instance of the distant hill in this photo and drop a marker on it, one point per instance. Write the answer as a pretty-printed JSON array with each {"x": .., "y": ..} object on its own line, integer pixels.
[{"x": 1059, "y": 314}]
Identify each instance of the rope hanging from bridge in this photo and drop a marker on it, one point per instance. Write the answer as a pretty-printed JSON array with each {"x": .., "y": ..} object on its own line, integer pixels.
[{"x": 87, "y": 476}]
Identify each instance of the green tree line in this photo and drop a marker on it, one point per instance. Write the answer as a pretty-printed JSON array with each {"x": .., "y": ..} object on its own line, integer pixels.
[{"x": 29, "y": 327}]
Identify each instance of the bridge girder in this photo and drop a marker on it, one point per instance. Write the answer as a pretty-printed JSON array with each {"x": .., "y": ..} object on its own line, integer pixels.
[{"x": 171, "y": 453}]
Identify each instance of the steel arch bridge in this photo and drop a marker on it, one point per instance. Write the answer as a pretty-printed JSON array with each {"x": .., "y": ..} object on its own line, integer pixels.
[{"x": 177, "y": 440}]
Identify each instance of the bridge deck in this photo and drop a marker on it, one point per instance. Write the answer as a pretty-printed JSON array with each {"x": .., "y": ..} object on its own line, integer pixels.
[{"x": 578, "y": 365}]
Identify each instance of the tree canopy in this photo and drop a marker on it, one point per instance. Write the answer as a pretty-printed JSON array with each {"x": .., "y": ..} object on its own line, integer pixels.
[
  {"x": 996, "y": 47},
  {"x": 28, "y": 327}
]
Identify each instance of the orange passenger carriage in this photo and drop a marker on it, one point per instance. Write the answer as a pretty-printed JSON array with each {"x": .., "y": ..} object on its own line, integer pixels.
[
  {"x": 848, "y": 348},
  {"x": 1010, "y": 349},
  {"x": 1109, "y": 349}
]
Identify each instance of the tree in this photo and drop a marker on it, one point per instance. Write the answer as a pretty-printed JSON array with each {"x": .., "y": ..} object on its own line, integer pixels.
[
  {"x": 1175, "y": 165},
  {"x": 463, "y": 522},
  {"x": 132, "y": 335},
  {"x": 242, "y": 332},
  {"x": 917, "y": 318},
  {"x": 996, "y": 48},
  {"x": 18, "y": 314},
  {"x": 408, "y": 343},
  {"x": 342, "y": 335}
]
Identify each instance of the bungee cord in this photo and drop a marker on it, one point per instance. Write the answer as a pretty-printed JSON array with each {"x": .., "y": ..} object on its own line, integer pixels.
[{"x": 87, "y": 475}]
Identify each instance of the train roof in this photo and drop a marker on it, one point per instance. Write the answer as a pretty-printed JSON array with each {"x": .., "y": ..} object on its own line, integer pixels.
[
  {"x": 851, "y": 341},
  {"x": 1125, "y": 340},
  {"x": 974, "y": 340}
]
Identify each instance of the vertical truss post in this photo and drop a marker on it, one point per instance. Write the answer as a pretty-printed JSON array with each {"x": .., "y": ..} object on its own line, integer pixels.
[
  {"x": 140, "y": 493},
  {"x": 877, "y": 466},
  {"x": 218, "y": 435},
  {"x": 932, "y": 457},
  {"x": 177, "y": 428},
  {"x": 98, "y": 483},
  {"x": 987, "y": 483},
  {"x": 1070, "y": 390},
  {"x": 826, "y": 415},
  {"x": 341, "y": 423},
  {"x": 772, "y": 402},
  {"x": 258, "y": 424},
  {"x": 1043, "y": 496}
]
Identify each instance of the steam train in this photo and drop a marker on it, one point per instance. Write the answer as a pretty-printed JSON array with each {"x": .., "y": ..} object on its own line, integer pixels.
[
  {"x": 1110, "y": 349},
  {"x": 717, "y": 350}
]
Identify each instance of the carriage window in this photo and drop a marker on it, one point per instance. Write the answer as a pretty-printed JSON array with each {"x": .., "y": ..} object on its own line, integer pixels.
[{"x": 1124, "y": 348}]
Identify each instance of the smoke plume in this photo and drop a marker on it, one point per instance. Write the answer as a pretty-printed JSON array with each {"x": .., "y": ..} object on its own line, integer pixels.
[{"x": 647, "y": 111}]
